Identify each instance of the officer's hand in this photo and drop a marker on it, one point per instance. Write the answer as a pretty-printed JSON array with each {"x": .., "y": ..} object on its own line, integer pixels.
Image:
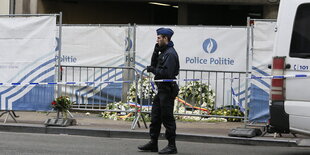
[
  {"x": 156, "y": 48},
  {"x": 150, "y": 69}
]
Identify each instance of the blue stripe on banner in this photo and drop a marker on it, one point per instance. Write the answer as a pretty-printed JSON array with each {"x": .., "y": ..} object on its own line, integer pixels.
[
  {"x": 89, "y": 83},
  {"x": 33, "y": 83},
  {"x": 108, "y": 94},
  {"x": 1, "y": 83},
  {"x": 243, "y": 99},
  {"x": 141, "y": 65},
  {"x": 33, "y": 63},
  {"x": 236, "y": 100},
  {"x": 82, "y": 96},
  {"x": 90, "y": 91},
  {"x": 27, "y": 75},
  {"x": 100, "y": 77},
  {"x": 108, "y": 81},
  {"x": 15, "y": 84},
  {"x": 260, "y": 71},
  {"x": 263, "y": 82},
  {"x": 242, "y": 92},
  {"x": 301, "y": 75},
  {"x": 38, "y": 98},
  {"x": 23, "y": 88},
  {"x": 258, "y": 105}
]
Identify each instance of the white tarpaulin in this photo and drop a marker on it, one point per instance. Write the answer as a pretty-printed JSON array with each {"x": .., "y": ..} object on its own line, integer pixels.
[
  {"x": 263, "y": 40},
  {"x": 204, "y": 48},
  {"x": 27, "y": 56},
  {"x": 99, "y": 46},
  {"x": 93, "y": 45}
]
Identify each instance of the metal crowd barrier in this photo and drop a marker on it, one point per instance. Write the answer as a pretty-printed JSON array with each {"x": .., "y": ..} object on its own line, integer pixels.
[
  {"x": 95, "y": 87},
  {"x": 229, "y": 88}
]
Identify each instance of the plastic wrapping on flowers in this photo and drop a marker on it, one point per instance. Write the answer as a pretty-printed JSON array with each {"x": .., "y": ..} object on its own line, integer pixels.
[
  {"x": 200, "y": 100},
  {"x": 198, "y": 94},
  {"x": 121, "y": 111},
  {"x": 147, "y": 93},
  {"x": 62, "y": 103},
  {"x": 229, "y": 111},
  {"x": 147, "y": 90},
  {"x": 202, "y": 95}
]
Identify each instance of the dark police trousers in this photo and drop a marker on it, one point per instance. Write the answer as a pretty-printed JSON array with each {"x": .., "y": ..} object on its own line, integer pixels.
[{"x": 162, "y": 111}]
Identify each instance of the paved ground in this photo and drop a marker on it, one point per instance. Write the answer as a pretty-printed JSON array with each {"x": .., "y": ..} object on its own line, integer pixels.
[
  {"x": 92, "y": 125},
  {"x": 96, "y": 122},
  {"x": 50, "y": 144}
]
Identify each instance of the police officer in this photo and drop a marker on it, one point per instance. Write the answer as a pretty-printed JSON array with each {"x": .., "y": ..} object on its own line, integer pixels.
[{"x": 164, "y": 65}]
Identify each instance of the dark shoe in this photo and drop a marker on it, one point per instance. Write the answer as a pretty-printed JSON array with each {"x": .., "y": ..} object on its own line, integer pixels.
[
  {"x": 150, "y": 146},
  {"x": 169, "y": 149}
]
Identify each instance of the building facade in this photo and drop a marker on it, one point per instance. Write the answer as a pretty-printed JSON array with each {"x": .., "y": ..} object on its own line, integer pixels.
[
  {"x": 151, "y": 12},
  {"x": 4, "y": 6}
]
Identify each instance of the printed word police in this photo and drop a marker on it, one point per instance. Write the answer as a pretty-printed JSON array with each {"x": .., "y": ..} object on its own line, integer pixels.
[
  {"x": 211, "y": 61},
  {"x": 68, "y": 59}
]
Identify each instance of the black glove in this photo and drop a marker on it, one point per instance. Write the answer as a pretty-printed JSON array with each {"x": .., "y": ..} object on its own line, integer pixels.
[
  {"x": 155, "y": 55},
  {"x": 150, "y": 69},
  {"x": 156, "y": 48}
]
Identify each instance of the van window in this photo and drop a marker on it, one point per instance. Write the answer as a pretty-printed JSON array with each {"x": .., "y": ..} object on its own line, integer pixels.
[{"x": 300, "y": 43}]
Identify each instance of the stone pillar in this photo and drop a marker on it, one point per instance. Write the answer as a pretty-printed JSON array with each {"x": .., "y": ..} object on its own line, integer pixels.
[
  {"x": 26, "y": 6},
  {"x": 270, "y": 11},
  {"x": 182, "y": 14},
  {"x": 4, "y": 6}
]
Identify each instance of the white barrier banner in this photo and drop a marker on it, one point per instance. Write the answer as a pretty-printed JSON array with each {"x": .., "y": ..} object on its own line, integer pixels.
[
  {"x": 27, "y": 55},
  {"x": 93, "y": 45},
  {"x": 263, "y": 40},
  {"x": 204, "y": 48},
  {"x": 100, "y": 46},
  {"x": 23, "y": 42}
]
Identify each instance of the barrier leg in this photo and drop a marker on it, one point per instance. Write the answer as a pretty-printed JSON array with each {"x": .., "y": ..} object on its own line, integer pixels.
[
  {"x": 70, "y": 113},
  {"x": 136, "y": 121},
  {"x": 144, "y": 120},
  {"x": 9, "y": 113}
]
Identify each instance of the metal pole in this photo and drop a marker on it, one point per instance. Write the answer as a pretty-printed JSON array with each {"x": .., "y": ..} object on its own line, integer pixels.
[
  {"x": 247, "y": 72},
  {"x": 59, "y": 54},
  {"x": 134, "y": 44},
  {"x": 27, "y": 15}
]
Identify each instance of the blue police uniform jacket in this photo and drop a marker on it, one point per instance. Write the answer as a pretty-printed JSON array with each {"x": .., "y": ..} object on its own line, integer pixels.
[{"x": 167, "y": 64}]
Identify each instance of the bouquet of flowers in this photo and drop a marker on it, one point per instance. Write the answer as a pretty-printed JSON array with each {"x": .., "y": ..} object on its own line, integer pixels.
[
  {"x": 198, "y": 94},
  {"x": 147, "y": 90},
  {"x": 62, "y": 104}
]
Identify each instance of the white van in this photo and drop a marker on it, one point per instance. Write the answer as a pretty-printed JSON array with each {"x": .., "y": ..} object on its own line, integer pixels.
[{"x": 290, "y": 97}]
